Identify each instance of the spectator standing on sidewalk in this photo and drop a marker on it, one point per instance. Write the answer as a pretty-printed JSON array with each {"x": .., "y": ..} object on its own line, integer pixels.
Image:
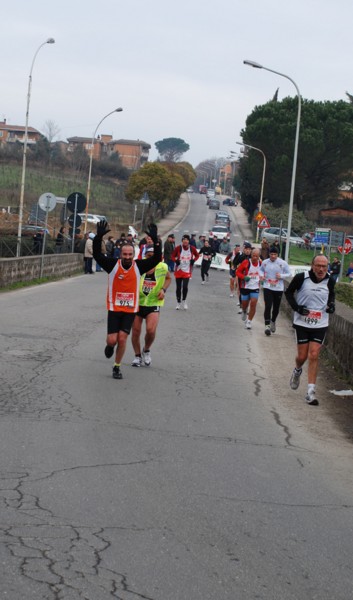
[{"x": 168, "y": 248}]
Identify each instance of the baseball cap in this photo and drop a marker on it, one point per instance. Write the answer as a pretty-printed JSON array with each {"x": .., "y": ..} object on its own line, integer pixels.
[
  {"x": 171, "y": 235},
  {"x": 247, "y": 245},
  {"x": 149, "y": 249}
]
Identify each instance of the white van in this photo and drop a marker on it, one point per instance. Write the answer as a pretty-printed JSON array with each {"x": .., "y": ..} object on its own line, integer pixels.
[{"x": 92, "y": 218}]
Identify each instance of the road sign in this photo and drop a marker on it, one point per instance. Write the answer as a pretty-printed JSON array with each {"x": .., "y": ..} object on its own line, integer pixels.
[
  {"x": 336, "y": 238},
  {"x": 263, "y": 223},
  {"x": 47, "y": 202},
  {"x": 75, "y": 219},
  {"x": 145, "y": 199},
  {"x": 322, "y": 236},
  {"x": 71, "y": 231},
  {"x": 259, "y": 216},
  {"x": 346, "y": 248},
  {"x": 76, "y": 201}
]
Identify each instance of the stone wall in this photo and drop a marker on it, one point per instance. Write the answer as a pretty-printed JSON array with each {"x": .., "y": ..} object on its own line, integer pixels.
[{"x": 26, "y": 268}]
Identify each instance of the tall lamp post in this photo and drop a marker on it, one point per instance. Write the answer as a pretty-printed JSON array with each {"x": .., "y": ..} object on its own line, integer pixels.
[
  {"x": 25, "y": 143},
  {"x": 91, "y": 160},
  {"x": 256, "y": 65},
  {"x": 262, "y": 182}
]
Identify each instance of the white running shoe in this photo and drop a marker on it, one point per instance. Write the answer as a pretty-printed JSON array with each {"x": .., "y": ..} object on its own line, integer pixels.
[
  {"x": 202, "y": 283},
  {"x": 295, "y": 379},
  {"x": 177, "y": 306},
  {"x": 231, "y": 295},
  {"x": 273, "y": 326},
  {"x": 244, "y": 316},
  {"x": 185, "y": 306},
  {"x": 248, "y": 324},
  {"x": 137, "y": 362},
  {"x": 146, "y": 357},
  {"x": 311, "y": 399},
  {"x": 240, "y": 311}
]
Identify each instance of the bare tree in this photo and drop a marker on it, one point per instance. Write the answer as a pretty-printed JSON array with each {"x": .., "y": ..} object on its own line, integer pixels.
[{"x": 50, "y": 130}]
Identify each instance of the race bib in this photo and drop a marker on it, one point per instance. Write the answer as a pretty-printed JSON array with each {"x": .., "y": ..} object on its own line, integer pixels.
[
  {"x": 125, "y": 299},
  {"x": 272, "y": 282},
  {"x": 148, "y": 286},
  {"x": 313, "y": 318}
]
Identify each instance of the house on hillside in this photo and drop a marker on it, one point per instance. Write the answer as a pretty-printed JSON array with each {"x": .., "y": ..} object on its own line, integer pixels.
[
  {"x": 133, "y": 153},
  {"x": 9, "y": 134}
]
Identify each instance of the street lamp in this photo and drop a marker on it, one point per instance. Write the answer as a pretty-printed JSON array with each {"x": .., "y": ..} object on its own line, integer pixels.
[
  {"x": 25, "y": 143},
  {"x": 91, "y": 160},
  {"x": 256, "y": 65},
  {"x": 262, "y": 183}
]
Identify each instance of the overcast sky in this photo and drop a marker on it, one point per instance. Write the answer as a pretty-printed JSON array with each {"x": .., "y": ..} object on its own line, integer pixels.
[{"x": 176, "y": 68}]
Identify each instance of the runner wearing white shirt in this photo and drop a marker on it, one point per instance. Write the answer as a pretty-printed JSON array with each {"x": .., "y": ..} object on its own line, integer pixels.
[
  {"x": 273, "y": 271},
  {"x": 314, "y": 301}
]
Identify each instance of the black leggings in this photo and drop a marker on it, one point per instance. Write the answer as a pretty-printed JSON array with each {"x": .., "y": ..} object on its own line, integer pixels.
[
  {"x": 272, "y": 302},
  {"x": 205, "y": 267},
  {"x": 181, "y": 282}
]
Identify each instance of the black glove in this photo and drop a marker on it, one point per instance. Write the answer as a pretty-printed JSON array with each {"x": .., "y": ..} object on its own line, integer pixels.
[
  {"x": 177, "y": 262},
  {"x": 102, "y": 228},
  {"x": 192, "y": 262},
  {"x": 302, "y": 310},
  {"x": 330, "y": 308},
  {"x": 153, "y": 232}
]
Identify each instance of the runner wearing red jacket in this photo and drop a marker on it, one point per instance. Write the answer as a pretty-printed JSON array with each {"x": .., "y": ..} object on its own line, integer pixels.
[{"x": 184, "y": 257}]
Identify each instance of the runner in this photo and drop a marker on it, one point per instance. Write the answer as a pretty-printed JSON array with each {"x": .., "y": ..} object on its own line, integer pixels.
[
  {"x": 207, "y": 254},
  {"x": 272, "y": 272},
  {"x": 248, "y": 274},
  {"x": 123, "y": 290},
  {"x": 230, "y": 258},
  {"x": 184, "y": 257},
  {"x": 153, "y": 287},
  {"x": 314, "y": 301}
]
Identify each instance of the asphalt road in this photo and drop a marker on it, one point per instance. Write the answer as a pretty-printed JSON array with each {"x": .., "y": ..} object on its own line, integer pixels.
[{"x": 201, "y": 477}]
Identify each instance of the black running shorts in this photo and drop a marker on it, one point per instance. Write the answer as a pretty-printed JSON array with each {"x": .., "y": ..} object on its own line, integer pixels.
[
  {"x": 305, "y": 335},
  {"x": 120, "y": 321},
  {"x": 147, "y": 310}
]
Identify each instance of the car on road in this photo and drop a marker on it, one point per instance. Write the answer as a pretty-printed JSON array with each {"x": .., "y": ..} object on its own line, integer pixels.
[
  {"x": 221, "y": 231},
  {"x": 190, "y": 190},
  {"x": 273, "y": 233},
  {"x": 211, "y": 193},
  {"x": 222, "y": 218},
  {"x": 230, "y": 202},
  {"x": 214, "y": 204}
]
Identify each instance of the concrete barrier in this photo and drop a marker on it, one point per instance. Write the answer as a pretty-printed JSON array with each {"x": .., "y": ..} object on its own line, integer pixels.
[{"x": 27, "y": 268}]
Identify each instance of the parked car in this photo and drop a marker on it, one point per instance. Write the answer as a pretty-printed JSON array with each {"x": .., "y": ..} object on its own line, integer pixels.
[
  {"x": 230, "y": 202},
  {"x": 32, "y": 229},
  {"x": 190, "y": 190},
  {"x": 221, "y": 231},
  {"x": 272, "y": 234},
  {"x": 92, "y": 218},
  {"x": 214, "y": 204}
]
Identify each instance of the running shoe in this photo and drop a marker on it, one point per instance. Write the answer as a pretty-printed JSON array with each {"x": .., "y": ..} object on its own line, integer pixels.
[
  {"x": 244, "y": 316},
  {"x": 202, "y": 283},
  {"x": 177, "y": 306},
  {"x": 267, "y": 330},
  {"x": 311, "y": 399},
  {"x": 117, "y": 373},
  {"x": 238, "y": 303},
  {"x": 231, "y": 295},
  {"x": 248, "y": 324},
  {"x": 137, "y": 362},
  {"x": 146, "y": 357},
  {"x": 295, "y": 379},
  {"x": 240, "y": 311},
  {"x": 109, "y": 351},
  {"x": 185, "y": 306},
  {"x": 273, "y": 326}
]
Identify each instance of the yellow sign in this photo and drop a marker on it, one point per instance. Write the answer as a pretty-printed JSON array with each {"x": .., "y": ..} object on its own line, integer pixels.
[{"x": 259, "y": 216}]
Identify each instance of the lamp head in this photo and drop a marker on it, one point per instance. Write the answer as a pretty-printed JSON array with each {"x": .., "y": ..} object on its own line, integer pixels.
[
  {"x": 252, "y": 63},
  {"x": 50, "y": 41},
  {"x": 118, "y": 109}
]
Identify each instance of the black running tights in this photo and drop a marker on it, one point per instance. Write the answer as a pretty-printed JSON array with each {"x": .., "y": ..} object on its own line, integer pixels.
[{"x": 272, "y": 301}]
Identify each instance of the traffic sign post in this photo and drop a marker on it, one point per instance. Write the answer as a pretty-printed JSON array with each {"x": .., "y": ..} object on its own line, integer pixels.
[
  {"x": 46, "y": 202},
  {"x": 263, "y": 222},
  {"x": 344, "y": 249}
]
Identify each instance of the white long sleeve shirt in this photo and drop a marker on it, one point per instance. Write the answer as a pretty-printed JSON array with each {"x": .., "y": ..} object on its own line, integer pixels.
[{"x": 273, "y": 272}]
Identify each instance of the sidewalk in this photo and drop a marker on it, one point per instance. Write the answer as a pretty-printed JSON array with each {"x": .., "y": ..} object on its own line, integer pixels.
[{"x": 172, "y": 219}]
